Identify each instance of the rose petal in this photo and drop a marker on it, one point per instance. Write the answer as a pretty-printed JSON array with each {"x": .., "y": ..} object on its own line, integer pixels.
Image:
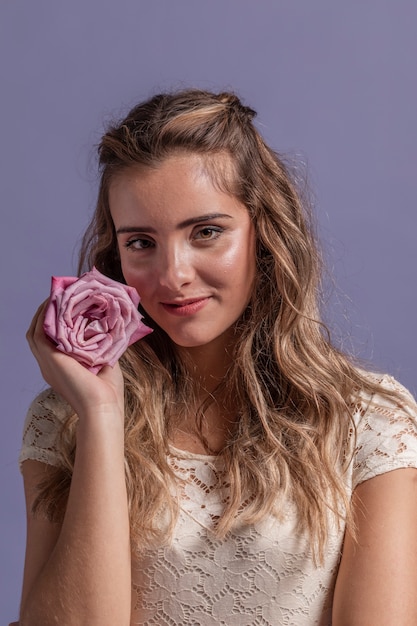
[{"x": 93, "y": 318}]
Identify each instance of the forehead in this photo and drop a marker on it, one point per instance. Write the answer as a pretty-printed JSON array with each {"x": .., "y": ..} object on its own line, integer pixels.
[
  {"x": 218, "y": 167},
  {"x": 180, "y": 184}
]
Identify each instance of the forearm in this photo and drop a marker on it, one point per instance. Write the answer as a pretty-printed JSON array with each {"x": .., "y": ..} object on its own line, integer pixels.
[{"x": 87, "y": 580}]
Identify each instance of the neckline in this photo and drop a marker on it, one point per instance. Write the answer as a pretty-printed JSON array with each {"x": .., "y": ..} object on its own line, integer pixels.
[{"x": 186, "y": 454}]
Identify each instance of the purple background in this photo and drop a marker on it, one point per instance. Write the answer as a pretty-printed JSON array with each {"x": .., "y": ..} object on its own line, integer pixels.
[{"x": 335, "y": 86}]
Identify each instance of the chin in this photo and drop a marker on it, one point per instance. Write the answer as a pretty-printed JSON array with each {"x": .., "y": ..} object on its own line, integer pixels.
[
  {"x": 220, "y": 341},
  {"x": 183, "y": 343}
]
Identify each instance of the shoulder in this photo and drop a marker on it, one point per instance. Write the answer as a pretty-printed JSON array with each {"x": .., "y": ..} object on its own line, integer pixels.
[
  {"x": 46, "y": 415},
  {"x": 386, "y": 429},
  {"x": 384, "y": 501}
]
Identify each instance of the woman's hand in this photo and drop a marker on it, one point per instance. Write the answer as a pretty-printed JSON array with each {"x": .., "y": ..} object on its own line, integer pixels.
[{"x": 84, "y": 391}]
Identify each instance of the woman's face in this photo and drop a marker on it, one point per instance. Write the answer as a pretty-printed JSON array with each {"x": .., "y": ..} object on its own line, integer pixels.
[{"x": 188, "y": 248}]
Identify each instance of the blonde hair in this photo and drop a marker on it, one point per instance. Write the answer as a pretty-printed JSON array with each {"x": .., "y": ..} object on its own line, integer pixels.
[{"x": 293, "y": 388}]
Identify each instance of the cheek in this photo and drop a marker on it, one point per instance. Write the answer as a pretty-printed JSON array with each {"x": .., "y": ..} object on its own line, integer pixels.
[
  {"x": 140, "y": 280},
  {"x": 240, "y": 260}
]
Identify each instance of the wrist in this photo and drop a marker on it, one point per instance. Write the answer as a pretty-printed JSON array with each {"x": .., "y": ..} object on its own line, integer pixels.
[{"x": 104, "y": 418}]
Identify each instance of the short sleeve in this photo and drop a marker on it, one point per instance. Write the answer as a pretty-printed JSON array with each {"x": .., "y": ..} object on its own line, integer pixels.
[
  {"x": 43, "y": 424},
  {"x": 386, "y": 437}
]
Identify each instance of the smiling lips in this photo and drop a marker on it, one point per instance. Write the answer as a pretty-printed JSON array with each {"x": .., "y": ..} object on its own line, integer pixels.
[{"x": 186, "y": 307}]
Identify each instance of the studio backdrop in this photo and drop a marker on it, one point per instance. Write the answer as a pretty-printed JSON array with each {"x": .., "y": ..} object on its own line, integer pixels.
[{"x": 334, "y": 84}]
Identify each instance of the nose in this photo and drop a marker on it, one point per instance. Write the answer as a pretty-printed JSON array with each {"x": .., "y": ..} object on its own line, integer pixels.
[{"x": 176, "y": 268}]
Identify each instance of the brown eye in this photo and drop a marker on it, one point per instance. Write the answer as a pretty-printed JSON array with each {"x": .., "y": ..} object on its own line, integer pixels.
[
  {"x": 138, "y": 244},
  {"x": 209, "y": 232},
  {"x": 206, "y": 233}
]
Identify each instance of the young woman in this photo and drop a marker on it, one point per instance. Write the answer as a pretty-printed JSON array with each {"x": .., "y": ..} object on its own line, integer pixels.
[{"x": 234, "y": 467}]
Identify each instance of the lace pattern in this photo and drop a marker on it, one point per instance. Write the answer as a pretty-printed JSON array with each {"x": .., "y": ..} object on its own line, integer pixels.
[
  {"x": 386, "y": 435},
  {"x": 261, "y": 575},
  {"x": 42, "y": 427}
]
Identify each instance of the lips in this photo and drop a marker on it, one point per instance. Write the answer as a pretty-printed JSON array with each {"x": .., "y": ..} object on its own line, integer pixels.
[{"x": 185, "y": 307}]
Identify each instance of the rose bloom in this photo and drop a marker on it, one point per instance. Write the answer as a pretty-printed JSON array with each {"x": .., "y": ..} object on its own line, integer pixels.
[{"x": 93, "y": 318}]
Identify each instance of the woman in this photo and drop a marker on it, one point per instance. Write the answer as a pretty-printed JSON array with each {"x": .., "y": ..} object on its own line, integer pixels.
[{"x": 235, "y": 467}]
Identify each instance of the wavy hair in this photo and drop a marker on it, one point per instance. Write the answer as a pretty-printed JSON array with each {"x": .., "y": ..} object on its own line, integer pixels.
[{"x": 294, "y": 390}]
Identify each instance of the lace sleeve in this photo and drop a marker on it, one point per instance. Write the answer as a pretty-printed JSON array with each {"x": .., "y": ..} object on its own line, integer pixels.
[
  {"x": 386, "y": 433},
  {"x": 44, "y": 420}
]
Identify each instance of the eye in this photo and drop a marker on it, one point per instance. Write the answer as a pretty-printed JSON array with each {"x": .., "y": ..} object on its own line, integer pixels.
[
  {"x": 138, "y": 243},
  {"x": 209, "y": 232}
]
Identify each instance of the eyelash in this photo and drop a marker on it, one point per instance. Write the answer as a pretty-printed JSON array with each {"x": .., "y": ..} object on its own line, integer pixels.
[
  {"x": 129, "y": 244},
  {"x": 214, "y": 230}
]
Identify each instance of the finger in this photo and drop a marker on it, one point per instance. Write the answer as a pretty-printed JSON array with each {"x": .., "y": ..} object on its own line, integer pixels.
[
  {"x": 35, "y": 335},
  {"x": 35, "y": 320}
]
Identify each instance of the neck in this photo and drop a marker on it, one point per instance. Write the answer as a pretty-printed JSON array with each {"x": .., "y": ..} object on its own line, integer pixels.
[{"x": 208, "y": 365}]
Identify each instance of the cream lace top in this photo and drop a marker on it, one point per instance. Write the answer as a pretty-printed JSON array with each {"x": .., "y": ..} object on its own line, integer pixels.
[{"x": 260, "y": 575}]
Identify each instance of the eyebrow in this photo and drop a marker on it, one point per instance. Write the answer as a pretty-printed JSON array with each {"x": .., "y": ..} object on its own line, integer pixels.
[{"x": 189, "y": 222}]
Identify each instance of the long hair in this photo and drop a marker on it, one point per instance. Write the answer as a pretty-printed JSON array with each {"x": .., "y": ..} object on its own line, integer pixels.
[{"x": 294, "y": 390}]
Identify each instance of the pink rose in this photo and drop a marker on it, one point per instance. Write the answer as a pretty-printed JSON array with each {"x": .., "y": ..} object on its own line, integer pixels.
[{"x": 93, "y": 318}]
